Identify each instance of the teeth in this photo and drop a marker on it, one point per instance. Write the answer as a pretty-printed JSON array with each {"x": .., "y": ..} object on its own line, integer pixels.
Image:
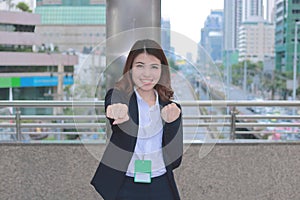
[{"x": 146, "y": 81}]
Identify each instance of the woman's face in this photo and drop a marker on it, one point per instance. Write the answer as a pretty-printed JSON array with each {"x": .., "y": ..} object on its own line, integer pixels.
[{"x": 146, "y": 71}]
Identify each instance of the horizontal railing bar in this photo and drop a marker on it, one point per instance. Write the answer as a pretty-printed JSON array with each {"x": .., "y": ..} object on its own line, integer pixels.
[
  {"x": 268, "y": 116},
  {"x": 186, "y": 133},
  {"x": 202, "y": 124},
  {"x": 262, "y": 132},
  {"x": 27, "y": 117},
  {"x": 51, "y": 103},
  {"x": 206, "y": 124},
  {"x": 63, "y": 133},
  {"x": 190, "y": 117},
  {"x": 7, "y": 125},
  {"x": 7, "y": 117},
  {"x": 61, "y": 117},
  {"x": 206, "y": 117},
  {"x": 267, "y": 124},
  {"x": 241, "y": 103},
  {"x": 241, "y": 125},
  {"x": 63, "y": 125}
]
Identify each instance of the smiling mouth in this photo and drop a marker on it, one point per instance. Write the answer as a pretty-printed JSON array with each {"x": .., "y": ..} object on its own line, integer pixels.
[{"x": 147, "y": 82}]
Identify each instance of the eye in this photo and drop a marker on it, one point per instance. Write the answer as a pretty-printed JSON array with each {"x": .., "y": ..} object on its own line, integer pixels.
[
  {"x": 139, "y": 66},
  {"x": 155, "y": 66}
]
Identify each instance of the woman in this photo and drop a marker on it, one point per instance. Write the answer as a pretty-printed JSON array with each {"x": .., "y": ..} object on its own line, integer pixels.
[{"x": 146, "y": 142}]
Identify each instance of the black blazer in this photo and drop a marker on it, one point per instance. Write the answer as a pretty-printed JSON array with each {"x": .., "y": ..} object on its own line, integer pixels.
[{"x": 111, "y": 171}]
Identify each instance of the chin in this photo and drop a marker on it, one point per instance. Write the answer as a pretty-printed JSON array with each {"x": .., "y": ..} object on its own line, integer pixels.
[{"x": 146, "y": 87}]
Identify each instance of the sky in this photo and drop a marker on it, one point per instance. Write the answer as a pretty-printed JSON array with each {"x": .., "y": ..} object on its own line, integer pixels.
[{"x": 187, "y": 17}]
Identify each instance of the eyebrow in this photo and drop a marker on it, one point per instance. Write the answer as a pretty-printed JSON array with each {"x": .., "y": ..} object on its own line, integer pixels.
[{"x": 139, "y": 62}]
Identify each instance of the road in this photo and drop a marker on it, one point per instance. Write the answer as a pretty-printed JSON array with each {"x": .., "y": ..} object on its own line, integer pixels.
[{"x": 184, "y": 91}]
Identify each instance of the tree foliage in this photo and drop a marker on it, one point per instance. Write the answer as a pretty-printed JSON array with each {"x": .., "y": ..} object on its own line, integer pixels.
[
  {"x": 275, "y": 83},
  {"x": 23, "y": 6}
]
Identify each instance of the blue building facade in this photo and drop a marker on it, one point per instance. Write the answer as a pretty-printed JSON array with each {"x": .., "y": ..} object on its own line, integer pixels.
[{"x": 212, "y": 36}]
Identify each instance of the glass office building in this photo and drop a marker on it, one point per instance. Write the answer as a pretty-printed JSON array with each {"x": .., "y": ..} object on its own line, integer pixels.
[
  {"x": 28, "y": 72},
  {"x": 72, "y": 25}
]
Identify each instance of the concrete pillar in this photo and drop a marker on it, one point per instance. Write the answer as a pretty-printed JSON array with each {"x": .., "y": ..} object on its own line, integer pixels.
[
  {"x": 126, "y": 22},
  {"x": 60, "y": 88},
  {"x": 60, "y": 91}
]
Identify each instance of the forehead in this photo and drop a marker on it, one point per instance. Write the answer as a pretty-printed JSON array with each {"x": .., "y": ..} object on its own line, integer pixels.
[{"x": 146, "y": 58}]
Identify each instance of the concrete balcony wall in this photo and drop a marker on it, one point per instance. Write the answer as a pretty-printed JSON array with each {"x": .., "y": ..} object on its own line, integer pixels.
[
  {"x": 228, "y": 171},
  {"x": 36, "y": 59},
  {"x": 19, "y": 38},
  {"x": 21, "y": 18}
]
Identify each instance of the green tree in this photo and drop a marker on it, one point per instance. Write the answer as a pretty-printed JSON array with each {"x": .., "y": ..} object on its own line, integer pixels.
[
  {"x": 253, "y": 69},
  {"x": 173, "y": 64},
  {"x": 276, "y": 83},
  {"x": 24, "y": 7}
]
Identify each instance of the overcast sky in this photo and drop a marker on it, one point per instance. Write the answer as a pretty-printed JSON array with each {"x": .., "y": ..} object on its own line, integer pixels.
[{"x": 187, "y": 16}]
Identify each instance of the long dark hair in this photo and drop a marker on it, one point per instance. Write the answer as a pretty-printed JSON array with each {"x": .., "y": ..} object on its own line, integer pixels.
[{"x": 163, "y": 87}]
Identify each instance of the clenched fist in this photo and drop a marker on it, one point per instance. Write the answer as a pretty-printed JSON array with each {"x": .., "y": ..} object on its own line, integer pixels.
[
  {"x": 170, "y": 112},
  {"x": 118, "y": 112}
]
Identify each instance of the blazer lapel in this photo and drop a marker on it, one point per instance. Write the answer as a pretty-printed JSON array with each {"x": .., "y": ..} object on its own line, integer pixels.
[{"x": 134, "y": 115}]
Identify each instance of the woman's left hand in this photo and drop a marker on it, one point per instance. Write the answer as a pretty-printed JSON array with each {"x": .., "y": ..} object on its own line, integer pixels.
[{"x": 170, "y": 112}]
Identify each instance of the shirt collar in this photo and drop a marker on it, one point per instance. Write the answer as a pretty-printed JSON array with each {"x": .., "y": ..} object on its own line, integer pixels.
[{"x": 139, "y": 98}]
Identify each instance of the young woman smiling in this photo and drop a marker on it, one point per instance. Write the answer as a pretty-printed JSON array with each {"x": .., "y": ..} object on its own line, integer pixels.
[{"x": 146, "y": 143}]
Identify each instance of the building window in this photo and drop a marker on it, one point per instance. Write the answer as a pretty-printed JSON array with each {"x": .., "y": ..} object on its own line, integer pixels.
[
  {"x": 296, "y": 11},
  {"x": 7, "y": 27},
  {"x": 296, "y": 1}
]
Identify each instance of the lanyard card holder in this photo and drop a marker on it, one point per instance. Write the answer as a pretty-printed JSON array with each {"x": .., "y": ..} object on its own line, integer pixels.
[{"x": 142, "y": 171}]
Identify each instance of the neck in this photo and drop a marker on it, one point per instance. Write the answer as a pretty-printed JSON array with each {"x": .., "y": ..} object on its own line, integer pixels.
[{"x": 148, "y": 96}]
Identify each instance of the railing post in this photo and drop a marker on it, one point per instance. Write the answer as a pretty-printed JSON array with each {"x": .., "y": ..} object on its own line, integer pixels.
[
  {"x": 233, "y": 113},
  {"x": 18, "y": 124}
]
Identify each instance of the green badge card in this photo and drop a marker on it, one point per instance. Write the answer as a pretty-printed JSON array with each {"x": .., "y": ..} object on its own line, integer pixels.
[{"x": 142, "y": 171}]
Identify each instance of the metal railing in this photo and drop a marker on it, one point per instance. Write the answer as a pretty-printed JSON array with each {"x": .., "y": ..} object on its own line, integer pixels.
[{"x": 228, "y": 119}]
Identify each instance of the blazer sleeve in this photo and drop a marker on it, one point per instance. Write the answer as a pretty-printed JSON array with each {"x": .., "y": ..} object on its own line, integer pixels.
[
  {"x": 115, "y": 96},
  {"x": 173, "y": 142}
]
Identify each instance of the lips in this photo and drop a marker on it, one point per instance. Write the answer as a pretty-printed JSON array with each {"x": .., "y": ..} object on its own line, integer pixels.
[{"x": 147, "y": 81}]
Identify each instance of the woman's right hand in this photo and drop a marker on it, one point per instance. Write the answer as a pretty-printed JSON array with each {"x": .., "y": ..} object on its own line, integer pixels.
[{"x": 118, "y": 112}]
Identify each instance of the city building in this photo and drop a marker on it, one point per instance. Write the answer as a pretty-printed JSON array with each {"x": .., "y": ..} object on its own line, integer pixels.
[
  {"x": 256, "y": 41},
  {"x": 252, "y": 10},
  {"x": 72, "y": 25},
  {"x": 166, "y": 37},
  {"x": 287, "y": 14},
  {"x": 248, "y": 30},
  {"x": 28, "y": 71},
  {"x": 212, "y": 37},
  {"x": 269, "y": 10},
  {"x": 232, "y": 20}
]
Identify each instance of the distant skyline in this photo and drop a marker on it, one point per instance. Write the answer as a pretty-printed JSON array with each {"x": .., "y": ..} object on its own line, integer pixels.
[{"x": 188, "y": 16}]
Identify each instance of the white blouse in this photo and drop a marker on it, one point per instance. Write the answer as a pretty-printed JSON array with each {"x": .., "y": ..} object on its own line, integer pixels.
[{"x": 149, "y": 140}]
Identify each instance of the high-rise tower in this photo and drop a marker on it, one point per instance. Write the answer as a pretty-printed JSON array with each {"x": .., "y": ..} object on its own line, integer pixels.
[{"x": 252, "y": 10}]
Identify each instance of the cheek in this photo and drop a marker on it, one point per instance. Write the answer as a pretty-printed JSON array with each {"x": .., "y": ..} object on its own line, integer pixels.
[
  {"x": 158, "y": 75},
  {"x": 134, "y": 76}
]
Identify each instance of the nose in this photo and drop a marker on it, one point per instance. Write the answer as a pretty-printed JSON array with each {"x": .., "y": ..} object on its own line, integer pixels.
[{"x": 146, "y": 71}]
